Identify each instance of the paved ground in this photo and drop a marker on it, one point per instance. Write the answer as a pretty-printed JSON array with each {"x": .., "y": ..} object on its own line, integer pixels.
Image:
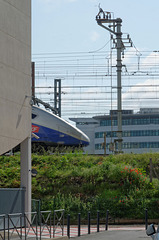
[
  {"x": 84, "y": 229},
  {"x": 132, "y": 232},
  {"x": 116, "y": 235}
]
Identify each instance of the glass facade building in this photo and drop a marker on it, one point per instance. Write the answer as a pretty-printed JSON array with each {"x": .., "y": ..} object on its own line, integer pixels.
[{"x": 140, "y": 131}]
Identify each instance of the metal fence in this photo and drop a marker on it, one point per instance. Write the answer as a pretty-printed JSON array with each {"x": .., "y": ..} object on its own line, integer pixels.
[
  {"x": 18, "y": 225},
  {"x": 88, "y": 226},
  {"x": 45, "y": 223},
  {"x": 25, "y": 226},
  {"x": 102, "y": 222},
  {"x": 58, "y": 222}
]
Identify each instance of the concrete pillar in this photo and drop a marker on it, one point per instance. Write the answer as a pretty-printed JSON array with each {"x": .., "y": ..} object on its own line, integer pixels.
[{"x": 25, "y": 147}]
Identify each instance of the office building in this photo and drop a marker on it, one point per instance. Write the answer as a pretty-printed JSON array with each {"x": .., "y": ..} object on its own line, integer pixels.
[{"x": 140, "y": 131}]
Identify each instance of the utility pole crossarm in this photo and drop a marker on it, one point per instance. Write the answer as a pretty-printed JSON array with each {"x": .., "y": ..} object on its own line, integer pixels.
[
  {"x": 105, "y": 17},
  {"x": 100, "y": 24}
]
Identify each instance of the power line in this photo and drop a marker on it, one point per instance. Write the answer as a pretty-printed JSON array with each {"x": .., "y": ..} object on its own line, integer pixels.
[{"x": 90, "y": 73}]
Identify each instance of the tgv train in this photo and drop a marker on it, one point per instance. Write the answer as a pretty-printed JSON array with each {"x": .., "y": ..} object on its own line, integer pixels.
[{"x": 51, "y": 130}]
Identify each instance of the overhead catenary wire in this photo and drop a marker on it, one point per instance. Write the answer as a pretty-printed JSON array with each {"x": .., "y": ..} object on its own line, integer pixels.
[{"x": 93, "y": 70}]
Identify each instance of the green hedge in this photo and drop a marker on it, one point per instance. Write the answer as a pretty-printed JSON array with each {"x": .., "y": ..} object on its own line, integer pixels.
[
  {"x": 118, "y": 208},
  {"x": 82, "y": 183}
]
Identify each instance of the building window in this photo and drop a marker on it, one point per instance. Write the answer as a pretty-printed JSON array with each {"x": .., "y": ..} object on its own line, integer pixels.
[
  {"x": 135, "y": 133},
  {"x": 131, "y": 145},
  {"x": 130, "y": 121}
]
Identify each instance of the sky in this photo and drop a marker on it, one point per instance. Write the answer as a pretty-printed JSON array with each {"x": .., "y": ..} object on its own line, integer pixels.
[{"x": 69, "y": 26}]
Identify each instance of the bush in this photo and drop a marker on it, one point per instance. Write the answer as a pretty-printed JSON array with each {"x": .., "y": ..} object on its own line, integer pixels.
[{"x": 82, "y": 183}]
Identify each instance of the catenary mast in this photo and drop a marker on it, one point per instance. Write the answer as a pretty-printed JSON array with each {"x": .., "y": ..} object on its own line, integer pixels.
[{"x": 114, "y": 27}]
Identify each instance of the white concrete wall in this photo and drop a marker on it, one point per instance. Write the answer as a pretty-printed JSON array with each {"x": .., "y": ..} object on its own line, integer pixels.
[
  {"x": 88, "y": 129},
  {"x": 15, "y": 72}
]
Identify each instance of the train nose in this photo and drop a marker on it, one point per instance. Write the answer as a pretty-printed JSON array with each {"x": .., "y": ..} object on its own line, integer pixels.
[{"x": 85, "y": 140}]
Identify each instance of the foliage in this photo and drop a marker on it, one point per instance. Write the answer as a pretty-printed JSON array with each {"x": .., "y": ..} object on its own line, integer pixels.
[{"x": 80, "y": 183}]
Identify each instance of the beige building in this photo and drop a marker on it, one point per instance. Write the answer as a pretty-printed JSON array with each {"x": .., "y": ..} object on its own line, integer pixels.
[{"x": 15, "y": 72}]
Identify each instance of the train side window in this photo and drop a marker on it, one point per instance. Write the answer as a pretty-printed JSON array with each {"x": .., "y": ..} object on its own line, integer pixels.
[{"x": 34, "y": 115}]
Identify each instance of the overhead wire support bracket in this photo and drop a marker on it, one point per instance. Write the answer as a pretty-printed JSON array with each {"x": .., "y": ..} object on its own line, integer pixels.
[{"x": 38, "y": 101}]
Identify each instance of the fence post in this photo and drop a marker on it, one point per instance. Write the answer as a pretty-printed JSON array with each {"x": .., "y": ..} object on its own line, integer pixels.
[
  {"x": 63, "y": 224},
  {"x": 4, "y": 224},
  {"x": 106, "y": 224},
  {"x": 37, "y": 222},
  {"x": 54, "y": 224},
  {"x": 40, "y": 225},
  {"x": 79, "y": 224},
  {"x": 97, "y": 221},
  {"x": 89, "y": 223},
  {"x": 4, "y": 227},
  {"x": 68, "y": 225},
  {"x": 146, "y": 218},
  {"x": 21, "y": 216},
  {"x": 25, "y": 226},
  {"x": 8, "y": 227},
  {"x": 50, "y": 223}
]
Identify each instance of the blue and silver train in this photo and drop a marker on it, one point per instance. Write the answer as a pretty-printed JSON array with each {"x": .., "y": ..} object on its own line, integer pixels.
[{"x": 51, "y": 130}]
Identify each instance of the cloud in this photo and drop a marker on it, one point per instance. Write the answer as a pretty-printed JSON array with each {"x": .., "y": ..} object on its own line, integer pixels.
[
  {"x": 94, "y": 36},
  {"x": 151, "y": 60},
  {"x": 49, "y": 6},
  {"x": 55, "y": 1},
  {"x": 142, "y": 95},
  {"x": 143, "y": 63}
]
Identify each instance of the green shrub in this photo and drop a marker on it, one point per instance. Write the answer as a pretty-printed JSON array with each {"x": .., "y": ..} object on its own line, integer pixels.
[{"x": 82, "y": 183}]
